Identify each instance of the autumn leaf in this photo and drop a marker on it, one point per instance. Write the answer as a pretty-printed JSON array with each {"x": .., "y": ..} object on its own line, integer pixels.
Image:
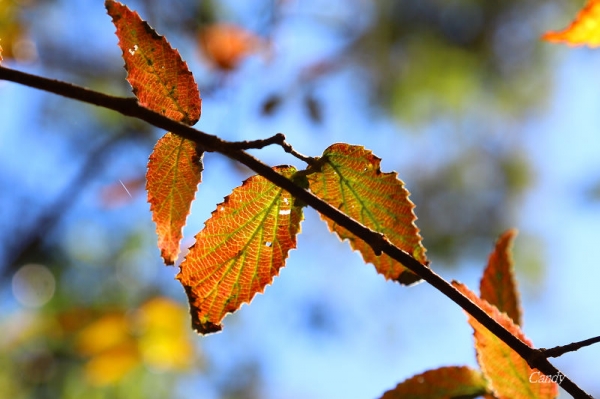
[
  {"x": 163, "y": 83},
  {"x": 349, "y": 177},
  {"x": 498, "y": 285},
  {"x": 174, "y": 172},
  {"x": 508, "y": 373},
  {"x": 584, "y": 30},
  {"x": 160, "y": 79},
  {"x": 226, "y": 45},
  {"x": 441, "y": 383},
  {"x": 1, "y": 55},
  {"x": 242, "y": 247}
]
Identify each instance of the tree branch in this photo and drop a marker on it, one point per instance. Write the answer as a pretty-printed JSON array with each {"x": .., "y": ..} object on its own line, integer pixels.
[{"x": 130, "y": 107}]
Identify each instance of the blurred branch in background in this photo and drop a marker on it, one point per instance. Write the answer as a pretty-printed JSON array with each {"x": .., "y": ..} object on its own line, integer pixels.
[{"x": 20, "y": 247}]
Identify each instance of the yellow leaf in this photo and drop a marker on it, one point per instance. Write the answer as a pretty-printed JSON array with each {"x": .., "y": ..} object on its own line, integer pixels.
[{"x": 584, "y": 30}]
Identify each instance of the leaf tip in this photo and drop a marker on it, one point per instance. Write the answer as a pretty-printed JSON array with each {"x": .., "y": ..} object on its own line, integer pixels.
[
  {"x": 201, "y": 326},
  {"x": 110, "y": 6}
]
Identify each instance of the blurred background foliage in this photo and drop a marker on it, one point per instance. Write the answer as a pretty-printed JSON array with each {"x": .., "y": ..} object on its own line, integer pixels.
[{"x": 438, "y": 89}]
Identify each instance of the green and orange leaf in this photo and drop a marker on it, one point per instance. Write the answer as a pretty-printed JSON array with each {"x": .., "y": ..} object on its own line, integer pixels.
[
  {"x": 498, "y": 285},
  {"x": 160, "y": 79},
  {"x": 508, "y": 373},
  {"x": 174, "y": 172},
  {"x": 584, "y": 30},
  {"x": 349, "y": 178},
  {"x": 442, "y": 383},
  {"x": 241, "y": 249}
]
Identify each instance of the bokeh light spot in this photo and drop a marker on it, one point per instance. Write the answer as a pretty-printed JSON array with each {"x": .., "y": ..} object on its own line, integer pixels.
[{"x": 33, "y": 285}]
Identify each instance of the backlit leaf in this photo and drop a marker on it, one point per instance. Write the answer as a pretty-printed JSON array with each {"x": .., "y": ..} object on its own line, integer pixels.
[
  {"x": 349, "y": 178},
  {"x": 442, "y": 383},
  {"x": 509, "y": 375},
  {"x": 160, "y": 79},
  {"x": 242, "y": 247},
  {"x": 163, "y": 83},
  {"x": 498, "y": 285},
  {"x": 584, "y": 30},
  {"x": 174, "y": 172}
]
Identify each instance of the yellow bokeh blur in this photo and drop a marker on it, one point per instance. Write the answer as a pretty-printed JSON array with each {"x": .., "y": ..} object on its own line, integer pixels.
[
  {"x": 164, "y": 341},
  {"x": 111, "y": 365},
  {"x": 155, "y": 335},
  {"x": 103, "y": 334}
]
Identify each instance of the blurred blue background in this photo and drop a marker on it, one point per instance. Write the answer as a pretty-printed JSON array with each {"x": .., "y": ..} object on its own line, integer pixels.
[{"x": 489, "y": 127}]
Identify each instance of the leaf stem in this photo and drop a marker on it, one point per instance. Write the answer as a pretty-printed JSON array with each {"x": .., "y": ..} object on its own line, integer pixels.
[{"x": 130, "y": 107}]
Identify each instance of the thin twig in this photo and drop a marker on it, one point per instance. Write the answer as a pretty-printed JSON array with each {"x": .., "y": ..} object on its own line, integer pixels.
[
  {"x": 278, "y": 139},
  {"x": 289, "y": 149},
  {"x": 130, "y": 107},
  {"x": 572, "y": 347}
]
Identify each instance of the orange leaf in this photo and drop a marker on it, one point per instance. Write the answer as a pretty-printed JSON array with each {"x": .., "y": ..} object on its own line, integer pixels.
[
  {"x": 242, "y": 247},
  {"x": 160, "y": 79},
  {"x": 349, "y": 178},
  {"x": 498, "y": 285},
  {"x": 226, "y": 45},
  {"x": 509, "y": 374},
  {"x": 0, "y": 54},
  {"x": 163, "y": 83},
  {"x": 584, "y": 30},
  {"x": 174, "y": 172},
  {"x": 442, "y": 383}
]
